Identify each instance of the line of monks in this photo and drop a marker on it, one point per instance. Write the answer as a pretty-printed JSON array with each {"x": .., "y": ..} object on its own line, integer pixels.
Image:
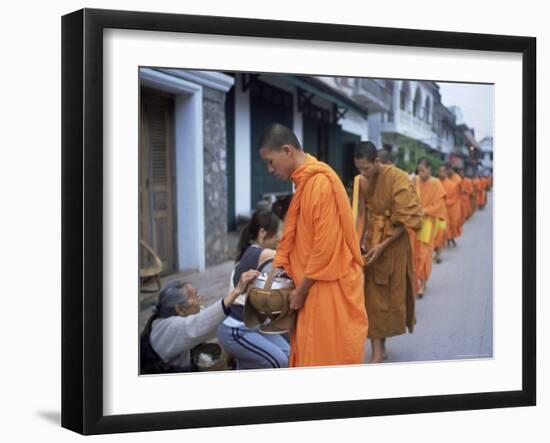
[
  {"x": 447, "y": 202},
  {"x": 401, "y": 222},
  {"x": 359, "y": 270}
]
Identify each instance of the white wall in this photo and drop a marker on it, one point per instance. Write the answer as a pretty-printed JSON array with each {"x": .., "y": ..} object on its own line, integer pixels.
[
  {"x": 355, "y": 124},
  {"x": 31, "y": 389},
  {"x": 242, "y": 149},
  {"x": 374, "y": 133},
  {"x": 189, "y": 181}
]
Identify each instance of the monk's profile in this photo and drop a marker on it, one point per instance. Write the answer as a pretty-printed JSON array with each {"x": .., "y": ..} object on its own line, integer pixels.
[
  {"x": 388, "y": 202},
  {"x": 432, "y": 198},
  {"x": 466, "y": 190},
  {"x": 453, "y": 204},
  {"x": 319, "y": 249}
]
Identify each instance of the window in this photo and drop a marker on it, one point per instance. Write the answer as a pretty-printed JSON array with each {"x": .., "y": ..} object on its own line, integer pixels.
[
  {"x": 404, "y": 95},
  {"x": 416, "y": 103},
  {"x": 427, "y": 110}
]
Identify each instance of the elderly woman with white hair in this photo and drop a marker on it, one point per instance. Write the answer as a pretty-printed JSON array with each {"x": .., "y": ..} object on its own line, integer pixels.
[{"x": 178, "y": 324}]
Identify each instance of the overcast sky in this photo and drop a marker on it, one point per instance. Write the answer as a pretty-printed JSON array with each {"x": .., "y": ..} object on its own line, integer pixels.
[{"x": 476, "y": 103}]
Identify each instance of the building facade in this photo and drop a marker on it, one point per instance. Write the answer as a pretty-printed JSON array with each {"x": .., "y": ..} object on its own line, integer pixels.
[
  {"x": 414, "y": 125},
  {"x": 182, "y": 157},
  {"x": 200, "y": 170},
  {"x": 486, "y": 146}
]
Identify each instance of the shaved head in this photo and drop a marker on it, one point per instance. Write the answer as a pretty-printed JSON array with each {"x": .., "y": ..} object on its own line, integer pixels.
[
  {"x": 366, "y": 151},
  {"x": 276, "y": 136}
]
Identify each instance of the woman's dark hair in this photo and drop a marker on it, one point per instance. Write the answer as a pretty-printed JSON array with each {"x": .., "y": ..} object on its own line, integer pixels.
[
  {"x": 281, "y": 205},
  {"x": 262, "y": 218}
]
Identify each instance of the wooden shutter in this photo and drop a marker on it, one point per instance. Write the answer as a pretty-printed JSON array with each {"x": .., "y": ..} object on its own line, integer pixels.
[{"x": 156, "y": 181}]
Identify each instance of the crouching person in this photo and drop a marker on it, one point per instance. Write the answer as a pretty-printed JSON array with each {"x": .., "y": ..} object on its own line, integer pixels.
[{"x": 178, "y": 324}]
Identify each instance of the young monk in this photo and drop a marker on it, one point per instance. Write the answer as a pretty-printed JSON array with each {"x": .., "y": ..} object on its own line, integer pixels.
[
  {"x": 473, "y": 197},
  {"x": 387, "y": 200},
  {"x": 466, "y": 189},
  {"x": 440, "y": 236},
  {"x": 452, "y": 203},
  {"x": 487, "y": 187},
  {"x": 455, "y": 177},
  {"x": 319, "y": 249},
  {"x": 483, "y": 194},
  {"x": 432, "y": 198}
]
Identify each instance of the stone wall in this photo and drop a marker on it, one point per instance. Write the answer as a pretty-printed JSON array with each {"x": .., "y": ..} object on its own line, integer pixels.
[{"x": 215, "y": 177}]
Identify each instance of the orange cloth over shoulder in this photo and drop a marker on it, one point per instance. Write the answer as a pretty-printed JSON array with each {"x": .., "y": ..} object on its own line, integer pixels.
[
  {"x": 462, "y": 217},
  {"x": 466, "y": 189},
  {"x": 432, "y": 199},
  {"x": 482, "y": 197},
  {"x": 452, "y": 203},
  {"x": 320, "y": 242}
]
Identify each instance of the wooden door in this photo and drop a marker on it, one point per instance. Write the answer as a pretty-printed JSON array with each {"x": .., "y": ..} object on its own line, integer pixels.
[
  {"x": 156, "y": 185},
  {"x": 348, "y": 143}
]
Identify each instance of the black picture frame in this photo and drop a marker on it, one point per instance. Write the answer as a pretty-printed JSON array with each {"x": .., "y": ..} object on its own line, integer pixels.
[{"x": 82, "y": 220}]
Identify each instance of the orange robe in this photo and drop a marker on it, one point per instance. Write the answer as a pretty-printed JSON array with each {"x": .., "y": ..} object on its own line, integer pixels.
[
  {"x": 457, "y": 179},
  {"x": 320, "y": 242},
  {"x": 466, "y": 190},
  {"x": 432, "y": 199},
  {"x": 453, "y": 208},
  {"x": 440, "y": 233},
  {"x": 479, "y": 192},
  {"x": 390, "y": 281},
  {"x": 473, "y": 199},
  {"x": 485, "y": 182}
]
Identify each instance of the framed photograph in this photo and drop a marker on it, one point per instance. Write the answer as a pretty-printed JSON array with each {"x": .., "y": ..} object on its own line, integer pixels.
[{"x": 182, "y": 135}]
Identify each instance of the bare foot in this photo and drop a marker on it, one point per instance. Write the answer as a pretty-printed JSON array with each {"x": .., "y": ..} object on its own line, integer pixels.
[
  {"x": 421, "y": 289},
  {"x": 378, "y": 349}
]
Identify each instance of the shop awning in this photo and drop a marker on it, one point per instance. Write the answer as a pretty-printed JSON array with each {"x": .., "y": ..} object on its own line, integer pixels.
[{"x": 320, "y": 89}]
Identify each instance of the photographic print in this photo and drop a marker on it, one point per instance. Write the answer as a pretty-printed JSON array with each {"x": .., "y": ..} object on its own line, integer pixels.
[
  {"x": 250, "y": 204},
  {"x": 387, "y": 255}
]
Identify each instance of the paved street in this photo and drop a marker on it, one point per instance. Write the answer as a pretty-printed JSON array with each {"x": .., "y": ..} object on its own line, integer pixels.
[{"x": 455, "y": 316}]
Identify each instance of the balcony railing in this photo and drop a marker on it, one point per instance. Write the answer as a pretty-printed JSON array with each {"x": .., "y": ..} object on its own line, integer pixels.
[
  {"x": 404, "y": 123},
  {"x": 373, "y": 95}
]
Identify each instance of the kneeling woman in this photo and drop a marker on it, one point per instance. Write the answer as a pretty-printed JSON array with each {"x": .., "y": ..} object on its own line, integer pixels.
[
  {"x": 251, "y": 348},
  {"x": 179, "y": 324}
]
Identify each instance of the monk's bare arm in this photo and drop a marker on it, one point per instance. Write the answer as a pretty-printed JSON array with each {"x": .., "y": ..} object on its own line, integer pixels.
[
  {"x": 397, "y": 231},
  {"x": 305, "y": 285},
  {"x": 376, "y": 251},
  {"x": 298, "y": 295}
]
